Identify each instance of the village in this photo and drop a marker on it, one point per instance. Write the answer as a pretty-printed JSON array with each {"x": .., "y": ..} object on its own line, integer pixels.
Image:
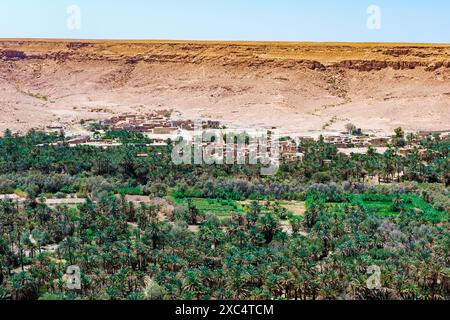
[{"x": 159, "y": 128}]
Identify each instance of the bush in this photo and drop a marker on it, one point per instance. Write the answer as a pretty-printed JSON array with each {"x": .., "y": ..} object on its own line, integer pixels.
[
  {"x": 134, "y": 191},
  {"x": 321, "y": 177},
  {"x": 7, "y": 186},
  {"x": 398, "y": 205},
  {"x": 61, "y": 195}
]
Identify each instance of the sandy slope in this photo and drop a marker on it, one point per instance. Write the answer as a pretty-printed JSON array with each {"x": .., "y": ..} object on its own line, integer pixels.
[{"x": 296, "y": 87}]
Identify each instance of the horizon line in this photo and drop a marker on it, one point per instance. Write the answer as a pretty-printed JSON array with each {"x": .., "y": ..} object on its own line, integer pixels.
[{"x": 224, "y": 41}]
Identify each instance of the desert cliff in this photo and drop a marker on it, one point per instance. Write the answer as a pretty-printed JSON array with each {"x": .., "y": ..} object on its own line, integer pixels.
[{"x": 296, "y": 87}]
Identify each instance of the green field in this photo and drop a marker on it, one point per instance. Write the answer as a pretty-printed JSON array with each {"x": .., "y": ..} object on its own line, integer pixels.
[
  {"x": 224, "y": 208},
  {"x": 219, "y": 207},
  {"x": 383, "y": 205}
]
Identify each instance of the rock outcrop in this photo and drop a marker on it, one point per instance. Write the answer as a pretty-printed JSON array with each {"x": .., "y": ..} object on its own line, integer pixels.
[{"x": 319, "y": 56}]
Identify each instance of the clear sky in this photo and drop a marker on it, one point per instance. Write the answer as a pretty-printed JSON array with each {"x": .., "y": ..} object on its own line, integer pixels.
[{"x": 279, "y": 20}]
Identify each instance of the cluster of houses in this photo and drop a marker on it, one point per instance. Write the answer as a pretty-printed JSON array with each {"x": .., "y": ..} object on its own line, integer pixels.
[
  {"x": 155, "y": 122},
  {"x": 287, "y": 150},
  {"x": 346, "y": 141},
  {"x": 349, "y": 144},
  {"x": 156, "y": 125},
  {"x": 159, "y": 127},
  {"x": 444, "y": 134}
]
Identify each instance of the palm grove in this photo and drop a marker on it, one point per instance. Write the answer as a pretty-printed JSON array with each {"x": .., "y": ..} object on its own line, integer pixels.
[{"x": 383, "y": 210}]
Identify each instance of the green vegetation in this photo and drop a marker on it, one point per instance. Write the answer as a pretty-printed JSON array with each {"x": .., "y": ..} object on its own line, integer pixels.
[
  {"x": 127, "y": 137},
  {"x": 391, "y": 205},
  {"x": 217, "y": 207},
  {"x": 222, "y": 232}
]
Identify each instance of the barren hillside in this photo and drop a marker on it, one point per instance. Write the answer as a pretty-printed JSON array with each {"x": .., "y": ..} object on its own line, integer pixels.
[{"x": 297, "y": 87}]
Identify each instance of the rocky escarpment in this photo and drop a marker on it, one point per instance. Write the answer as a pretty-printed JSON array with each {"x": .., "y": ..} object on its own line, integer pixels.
[
  {"x": 362, "y": 65},
  {"x": 361, "y": 57},
  {"x": 296, "y": 87},
  {"x": 12, "y": 55}
]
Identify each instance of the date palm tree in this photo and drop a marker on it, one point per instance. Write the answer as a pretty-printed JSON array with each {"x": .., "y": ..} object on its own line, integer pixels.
[{"x": 68, "y": 248}]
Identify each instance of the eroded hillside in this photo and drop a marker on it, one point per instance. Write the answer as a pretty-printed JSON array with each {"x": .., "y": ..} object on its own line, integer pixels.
[{"x": 297, "y": 87}]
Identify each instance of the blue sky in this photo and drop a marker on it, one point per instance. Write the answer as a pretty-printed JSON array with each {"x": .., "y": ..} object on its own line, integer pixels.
[{"x": 278, "y": 20}]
